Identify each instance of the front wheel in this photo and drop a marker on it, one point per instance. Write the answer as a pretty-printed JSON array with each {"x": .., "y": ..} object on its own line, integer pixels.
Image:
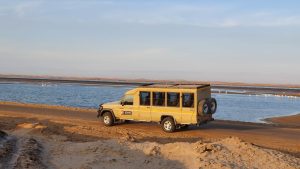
[
  {"x": 168, "y": 125},
  {"x": 108, "y": 119}
]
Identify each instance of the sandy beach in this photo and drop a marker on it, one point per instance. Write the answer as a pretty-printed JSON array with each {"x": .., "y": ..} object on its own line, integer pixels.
[
  {"x": 292, "y": 121},
  {"x": 43, "y": 136}
]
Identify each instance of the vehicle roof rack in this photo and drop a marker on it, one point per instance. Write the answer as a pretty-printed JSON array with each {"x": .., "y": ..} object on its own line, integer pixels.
[{"x": 175, "y": 85}]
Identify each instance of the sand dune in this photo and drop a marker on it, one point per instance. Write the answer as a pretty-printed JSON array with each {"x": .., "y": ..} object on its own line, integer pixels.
[{"x": 25, "y": 148}]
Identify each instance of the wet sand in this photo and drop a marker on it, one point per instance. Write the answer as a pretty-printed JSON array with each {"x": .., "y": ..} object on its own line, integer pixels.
[
  {"x": 71, "y": 133},
  {"x": 292, "y": 121}
]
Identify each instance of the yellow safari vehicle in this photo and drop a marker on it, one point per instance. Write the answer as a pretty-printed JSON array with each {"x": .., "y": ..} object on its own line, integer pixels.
[{"x": 174, "y": 106}]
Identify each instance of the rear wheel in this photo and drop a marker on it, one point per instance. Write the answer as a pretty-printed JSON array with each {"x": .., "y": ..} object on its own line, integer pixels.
[
  {"x": 168, "y": 124},
  {"x": 108, "y": 119}
]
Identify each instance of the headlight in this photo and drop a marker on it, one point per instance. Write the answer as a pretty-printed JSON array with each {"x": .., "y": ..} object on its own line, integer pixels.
[{"x": 100, "y": 107}]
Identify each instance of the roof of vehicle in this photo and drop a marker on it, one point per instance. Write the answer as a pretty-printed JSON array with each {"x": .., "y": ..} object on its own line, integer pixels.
[{"x": 176, "y": 86}]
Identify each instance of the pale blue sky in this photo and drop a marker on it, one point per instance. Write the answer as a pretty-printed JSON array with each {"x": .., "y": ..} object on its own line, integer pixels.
[{"x": 246, "y": 41}]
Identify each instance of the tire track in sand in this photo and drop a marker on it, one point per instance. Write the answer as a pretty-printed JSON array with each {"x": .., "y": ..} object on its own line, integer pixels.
[
  {"x": 20, "y": 153},
  {"x": 7, "y": 149}
]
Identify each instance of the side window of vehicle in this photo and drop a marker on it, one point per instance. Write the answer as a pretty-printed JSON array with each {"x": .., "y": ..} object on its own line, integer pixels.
[
  {"x": 187, "y": 99},
  {"x": 173, "y": 99},
  {"x": 145, "y": 98},
  {"x": 128, "y": 100},
  {"x": 158, "y": 98}
]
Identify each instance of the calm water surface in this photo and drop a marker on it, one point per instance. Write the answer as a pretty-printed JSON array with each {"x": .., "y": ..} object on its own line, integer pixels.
[{"x": 230, "y": 106}]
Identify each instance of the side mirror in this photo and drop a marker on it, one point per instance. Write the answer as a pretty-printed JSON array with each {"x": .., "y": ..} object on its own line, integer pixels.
[{"x": 122, "y": 103}]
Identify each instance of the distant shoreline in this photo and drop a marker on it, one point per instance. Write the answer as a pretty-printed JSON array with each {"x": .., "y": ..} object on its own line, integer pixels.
[
  {"x": 227, "y": 88},
  {"x": 51, "y": 80}
]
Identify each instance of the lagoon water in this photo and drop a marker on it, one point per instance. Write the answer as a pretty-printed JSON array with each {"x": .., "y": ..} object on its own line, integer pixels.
[{"x": 249, "y": 108}]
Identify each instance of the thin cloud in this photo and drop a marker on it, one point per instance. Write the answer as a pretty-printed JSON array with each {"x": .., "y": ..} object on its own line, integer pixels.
[
  {"x": 24, "y": 7},
  {"x": 154, "y": 13},
  {"x": 202, "y": 16},
  {"x": 228, "y": 23},
  {"x": 283, "y": 21}
]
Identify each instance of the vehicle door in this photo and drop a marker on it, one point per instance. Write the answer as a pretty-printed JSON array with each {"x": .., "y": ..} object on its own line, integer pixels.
[
  {"x": 126, "y": 110},
  {"x": 188, "y": 107},
  {"x": 173, "y": 105},
  {"x": 158, "y": 107},
  {"x": 144, "y": 106}
]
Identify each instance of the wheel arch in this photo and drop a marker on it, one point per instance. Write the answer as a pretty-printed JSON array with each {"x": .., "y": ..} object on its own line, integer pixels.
[
  {"x": 108, "y": 110},
  {"x": 162, "y": 117}
]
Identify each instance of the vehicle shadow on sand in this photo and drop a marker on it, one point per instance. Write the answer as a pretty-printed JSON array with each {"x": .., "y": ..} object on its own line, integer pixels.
[{"x": 231, "y": 125}]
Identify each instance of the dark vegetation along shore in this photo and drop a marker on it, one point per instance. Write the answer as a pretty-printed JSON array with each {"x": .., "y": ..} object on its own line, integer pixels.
[{"x": 217, "y": 87}]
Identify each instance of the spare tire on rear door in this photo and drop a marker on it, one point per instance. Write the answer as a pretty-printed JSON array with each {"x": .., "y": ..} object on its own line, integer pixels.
[
  {"x": 203, "y": 107},
  {"x": 213, "y": 105}
]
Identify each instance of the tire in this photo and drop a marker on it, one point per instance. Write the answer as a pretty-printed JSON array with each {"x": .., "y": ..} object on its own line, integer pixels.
[
  {"x": 168, "y": 125},
  {"x": 108, "y": 119},
  {"x": 213, "y": 105},
  {"x": 204, "y": 107}
]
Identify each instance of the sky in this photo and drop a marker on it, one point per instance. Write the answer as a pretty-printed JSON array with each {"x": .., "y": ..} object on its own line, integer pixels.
[{"x": 235, "y": 40}]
